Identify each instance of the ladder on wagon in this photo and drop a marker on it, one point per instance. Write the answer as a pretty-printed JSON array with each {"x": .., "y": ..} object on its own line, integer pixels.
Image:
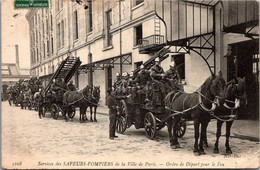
[
  {"x": 66, "y": 70},
  {"x": 161, "y": 54}
]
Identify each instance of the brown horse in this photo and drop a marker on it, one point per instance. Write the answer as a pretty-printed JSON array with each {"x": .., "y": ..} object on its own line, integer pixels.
[
  {"x": 94, "y": 102},
  {"x": 196, "y": 106},
  {"x": 75, "y": 99},
  {"x": 235, "y": 95}
]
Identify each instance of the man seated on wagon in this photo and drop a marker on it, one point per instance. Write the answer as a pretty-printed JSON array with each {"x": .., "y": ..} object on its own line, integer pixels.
[
  {"x": 117, "y": 83},
  {"x": 142, "y": 80},
  {"x": 38, "y": 83},
  {"x": 123, "y": 85},
  {"x": 131, "y": 84},
  {"x": 159, "y": 77},
  {"x": 58, "y": 88},
  {"x": 71, "y": 86},
  {"x": 174, "y": 78}
]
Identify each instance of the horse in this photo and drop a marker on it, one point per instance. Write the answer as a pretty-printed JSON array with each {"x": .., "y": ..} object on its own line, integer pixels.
[
  {"x": 235, "y": 96},
  {"x": 197, "y": 106},
  {"x": 74, "y": 99},
  {"x": 94, "y": 102}
]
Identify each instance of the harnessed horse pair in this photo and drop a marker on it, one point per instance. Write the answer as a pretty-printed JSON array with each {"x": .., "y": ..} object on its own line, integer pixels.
[
  {"x": 198, "y": 106},
  {"x": 88, "y": 97}
]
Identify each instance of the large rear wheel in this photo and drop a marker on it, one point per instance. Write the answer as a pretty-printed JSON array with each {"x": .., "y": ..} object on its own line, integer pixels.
[
  {"x": 54, "y": 111},
  {"x": 72, "y": 113},
  {"x": 150, "y": 125},
  {"x": 121, "y": 120},
  {"x": 181, "y": 128}
]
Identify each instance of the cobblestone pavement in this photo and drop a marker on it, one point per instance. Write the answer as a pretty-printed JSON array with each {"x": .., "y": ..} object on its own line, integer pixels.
[{"x": 30, "y": 142}]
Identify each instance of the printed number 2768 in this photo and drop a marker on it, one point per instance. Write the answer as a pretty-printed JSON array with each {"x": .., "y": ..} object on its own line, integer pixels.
[{"x": 17, "y": 164}]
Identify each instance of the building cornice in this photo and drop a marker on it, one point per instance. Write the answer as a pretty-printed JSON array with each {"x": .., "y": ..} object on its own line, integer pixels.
[{"x": 130, "y": 24}]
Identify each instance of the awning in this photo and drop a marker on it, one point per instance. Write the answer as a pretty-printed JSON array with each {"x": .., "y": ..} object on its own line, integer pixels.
[{"x": 125, "y": 59}]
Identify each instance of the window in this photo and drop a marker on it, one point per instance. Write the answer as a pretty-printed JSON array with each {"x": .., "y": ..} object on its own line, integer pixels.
[
  {"x": 62, "y": 33},
  {"x": 90, "y": 24},
  {"x": 48, "y": 47},
  {"x": 51, "y": 23},
  {"x": 179, "y": 61},
  {"x": 43, "y": 50},
  {"x": 75, "y": 25},
  {"x": 58, "y": 36},
  {"x": 138, "y": 34},
  {"x": 137, "y": 2},
  {"x": 52, "y": 46},
  {"x": 47, "y": 25},
  {"x": 43, "y": 29},
  {"x": 109, "y": 23},
  {"x": 138, "y": 64}
]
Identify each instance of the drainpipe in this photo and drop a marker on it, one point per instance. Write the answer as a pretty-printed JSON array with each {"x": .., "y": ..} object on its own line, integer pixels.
[
  {"x": 121, "y": 65},
  {"x": 17, "y": 55},
  {"x": 120, "y": 34}
]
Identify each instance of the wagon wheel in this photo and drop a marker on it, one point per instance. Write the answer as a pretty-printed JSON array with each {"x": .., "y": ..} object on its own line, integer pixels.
[
  {"x": 54, "y": 111},
  {"x": 124, "y": 111},
  {"x": 121, "y": 122},
  {"x": 72, "y": 113},
  {"x": 150, "y": 125},
  {"x": 181, "y": 129}
]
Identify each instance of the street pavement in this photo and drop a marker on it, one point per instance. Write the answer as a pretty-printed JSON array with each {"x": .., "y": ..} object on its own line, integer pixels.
[{"x": 30, "y": 142}]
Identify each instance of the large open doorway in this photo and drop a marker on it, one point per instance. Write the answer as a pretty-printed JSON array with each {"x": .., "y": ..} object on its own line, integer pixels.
[{"x": 244, "y": 62}]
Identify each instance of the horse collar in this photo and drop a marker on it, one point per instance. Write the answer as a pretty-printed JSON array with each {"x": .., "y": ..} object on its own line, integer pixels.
[{"x": 202, "y": 106}]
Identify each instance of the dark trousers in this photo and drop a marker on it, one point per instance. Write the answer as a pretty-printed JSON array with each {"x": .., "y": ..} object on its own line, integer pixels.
[
  {"x": 112, "y": 125},
  {"x": 40, "y": 110}
]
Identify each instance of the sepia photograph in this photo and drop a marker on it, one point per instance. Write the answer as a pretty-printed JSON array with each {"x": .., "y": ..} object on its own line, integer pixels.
[{"x": 129, "y": 84}]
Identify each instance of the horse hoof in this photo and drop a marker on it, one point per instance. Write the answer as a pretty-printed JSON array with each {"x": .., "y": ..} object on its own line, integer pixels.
[
  {"x": 91, "y": 120},
  {"x": 178, "y": 146},
  {"x": 196, "y": 153},
  {"x": 205, "y": 145},
  {"x": 66, "y": 120},
  {"x": 95, "y": 120},
  {"x": 202, "y": 152},
  {"x": 174, "y": 146},
  {"x": 216, "y": 151},
  {"x": 228, "y": 151}
]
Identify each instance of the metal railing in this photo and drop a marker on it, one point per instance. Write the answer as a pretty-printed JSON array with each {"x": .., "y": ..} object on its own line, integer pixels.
[{"x": 150, "y": 41}]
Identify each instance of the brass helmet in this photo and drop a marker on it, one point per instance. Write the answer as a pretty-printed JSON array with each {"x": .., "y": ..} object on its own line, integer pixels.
[{"x": 117, "y": 74}]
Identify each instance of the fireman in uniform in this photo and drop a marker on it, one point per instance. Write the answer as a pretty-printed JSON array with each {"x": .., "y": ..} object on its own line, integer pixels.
[
  {"x": 142, "y": 80},
  {"x": 123, "y": 85},
  {"x": 71, "y": 86},
  {"x": 131, "y": 84},
  {"x": 40, "y": 103},
  {"x": 117, "y": 83},
  {"x": 111, "y": 103},
  {"x": 159, "y": 77},
  {"x": 174, "y": 78}
]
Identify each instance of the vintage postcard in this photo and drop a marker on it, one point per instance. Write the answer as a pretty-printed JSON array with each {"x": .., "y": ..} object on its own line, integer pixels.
[{"x": 129, "y": 84}]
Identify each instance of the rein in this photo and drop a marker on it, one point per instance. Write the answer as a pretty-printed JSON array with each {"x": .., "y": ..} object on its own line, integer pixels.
[{"x": 83, "y": 97}]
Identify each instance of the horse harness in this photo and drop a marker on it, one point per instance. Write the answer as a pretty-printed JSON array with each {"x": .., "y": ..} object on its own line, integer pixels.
[
  {"x": 85, "y": 98},
  {"x": 201, "y": 106}
]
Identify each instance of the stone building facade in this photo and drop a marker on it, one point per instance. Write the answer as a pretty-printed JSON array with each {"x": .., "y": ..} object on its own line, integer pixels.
[{"x": 118, "y": 35}]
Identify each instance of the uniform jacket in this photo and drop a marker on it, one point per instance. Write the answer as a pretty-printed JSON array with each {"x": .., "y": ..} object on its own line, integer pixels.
[
  {"x": 143, "y": 77},
  {"x": 156, "y": 72},
  {"x": 111, "y": 104}
]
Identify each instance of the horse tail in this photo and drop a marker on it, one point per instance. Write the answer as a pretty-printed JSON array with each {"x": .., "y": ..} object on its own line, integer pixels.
[
  {"x": 168, "y": 98},
  {"x": 65, "y": 97}
]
